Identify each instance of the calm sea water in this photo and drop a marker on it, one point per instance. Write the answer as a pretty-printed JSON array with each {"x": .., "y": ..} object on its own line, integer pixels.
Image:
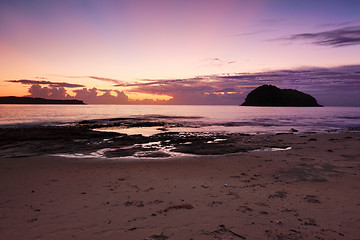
[{"x": 209, "y": 118}]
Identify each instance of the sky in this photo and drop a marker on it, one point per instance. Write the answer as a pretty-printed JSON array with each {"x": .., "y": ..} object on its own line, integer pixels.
[{"x": 179, "y": 52}]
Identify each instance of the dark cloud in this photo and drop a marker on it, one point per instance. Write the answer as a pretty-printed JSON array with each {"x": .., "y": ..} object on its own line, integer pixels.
[
  {"x": 52, "y": 84},
  {"x": 345, "y": 36},
  {"x": 328, "y": 85},
  {"x": 199, "y": 90}
]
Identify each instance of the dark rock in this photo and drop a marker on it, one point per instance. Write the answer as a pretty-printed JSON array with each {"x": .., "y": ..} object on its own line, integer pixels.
[
  {"x": 269, "y": 95},
  {"x": 294, "y": 130}
]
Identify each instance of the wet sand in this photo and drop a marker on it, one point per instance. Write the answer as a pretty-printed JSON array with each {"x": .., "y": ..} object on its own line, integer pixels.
[{"x": 311, "y": 191}]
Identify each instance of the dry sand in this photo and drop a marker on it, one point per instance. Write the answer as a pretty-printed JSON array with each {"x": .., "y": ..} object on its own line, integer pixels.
[{"x": 308, "y": 192}]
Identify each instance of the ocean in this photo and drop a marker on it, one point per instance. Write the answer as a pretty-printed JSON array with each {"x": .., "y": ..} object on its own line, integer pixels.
[{"x": 190, "y": 118}]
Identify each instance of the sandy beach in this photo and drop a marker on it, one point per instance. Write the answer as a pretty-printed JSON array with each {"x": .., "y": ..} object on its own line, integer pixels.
[{"x": 310, "y": 191}]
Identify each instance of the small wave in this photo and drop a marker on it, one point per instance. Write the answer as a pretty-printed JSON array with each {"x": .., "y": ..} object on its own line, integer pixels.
[
  {"x": 272, "y": 149},
  {"x": 350, "y": 118}
]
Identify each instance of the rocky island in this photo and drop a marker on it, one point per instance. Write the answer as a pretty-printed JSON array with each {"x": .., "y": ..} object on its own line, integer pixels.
[
  {"x": 30, "y": 100},
  {"x": 272, "y": 96}
]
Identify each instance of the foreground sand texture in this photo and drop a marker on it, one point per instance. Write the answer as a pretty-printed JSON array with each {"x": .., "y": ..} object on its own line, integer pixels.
[{"x": 309, "y": 192}]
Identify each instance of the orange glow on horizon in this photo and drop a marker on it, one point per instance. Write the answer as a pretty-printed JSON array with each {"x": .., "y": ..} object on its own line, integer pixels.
[
  {"x": 223, "y": 93},
  {"x": 144, "y": 96},
  {"x": 16, "y": 90}
]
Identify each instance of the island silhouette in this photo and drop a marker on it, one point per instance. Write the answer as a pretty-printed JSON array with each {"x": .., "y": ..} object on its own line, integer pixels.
[
  {"x": 30, "y": 100},
  {"x": 272, "y": 96}
]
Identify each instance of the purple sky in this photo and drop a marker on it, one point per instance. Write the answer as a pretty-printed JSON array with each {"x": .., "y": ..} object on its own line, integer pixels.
[{"x": 179, "y": 52}]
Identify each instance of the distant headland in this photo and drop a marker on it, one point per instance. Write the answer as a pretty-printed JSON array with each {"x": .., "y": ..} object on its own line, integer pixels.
[
  {"x": 30, "y": 100},
  {"x": 272, "y": 96}
]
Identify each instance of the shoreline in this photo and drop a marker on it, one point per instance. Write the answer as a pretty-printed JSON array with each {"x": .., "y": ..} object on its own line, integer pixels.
[
  {"x": 86, "y": 140},
  {"x": 308, "y": 192}
]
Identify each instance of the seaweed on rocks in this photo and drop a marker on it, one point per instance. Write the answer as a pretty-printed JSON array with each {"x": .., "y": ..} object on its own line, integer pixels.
[{"x": 84, "y": 140}]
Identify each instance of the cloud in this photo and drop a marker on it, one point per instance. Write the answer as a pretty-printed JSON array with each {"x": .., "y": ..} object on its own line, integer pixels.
[
  {"x": 340, "y": 24},
  {"x": 106, "y": 79},
  {"x": 198, "y": 90},
  {"x": 57, "y": 90},
  {"x": 337, "y": 86},
  {"x": 99, "y": 78},
  {"x": 340, "y": 37},
  {"x": 48, "y": 92},
  {"x": 52, "y": 84},
  {"x": 216, "y": 62},
  {"x": 331, "y": 86},
  {"x": 89, "y": 96},
  {"x": 273, "y": 20},
  {"x": 161, "y": 82},
  {"x": 96, "y": 96}
]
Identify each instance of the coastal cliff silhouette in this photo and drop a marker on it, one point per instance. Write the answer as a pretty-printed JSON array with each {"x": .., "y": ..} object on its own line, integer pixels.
[{"x": 30, "y": 100}]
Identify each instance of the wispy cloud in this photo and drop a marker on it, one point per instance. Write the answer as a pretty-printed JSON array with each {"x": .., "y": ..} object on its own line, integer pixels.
[
  {"x": 216, "y": 62},
  {"x": 339, "y": 24},
  {"x": 340, "y": 37},
  {"x": 158, "y": 82},
  {"x": 52, "y": 84},
  {"x": 273, "y": 20},
  {"x": 105, "y": 79},
  {"x": 251, "y": 33}
]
